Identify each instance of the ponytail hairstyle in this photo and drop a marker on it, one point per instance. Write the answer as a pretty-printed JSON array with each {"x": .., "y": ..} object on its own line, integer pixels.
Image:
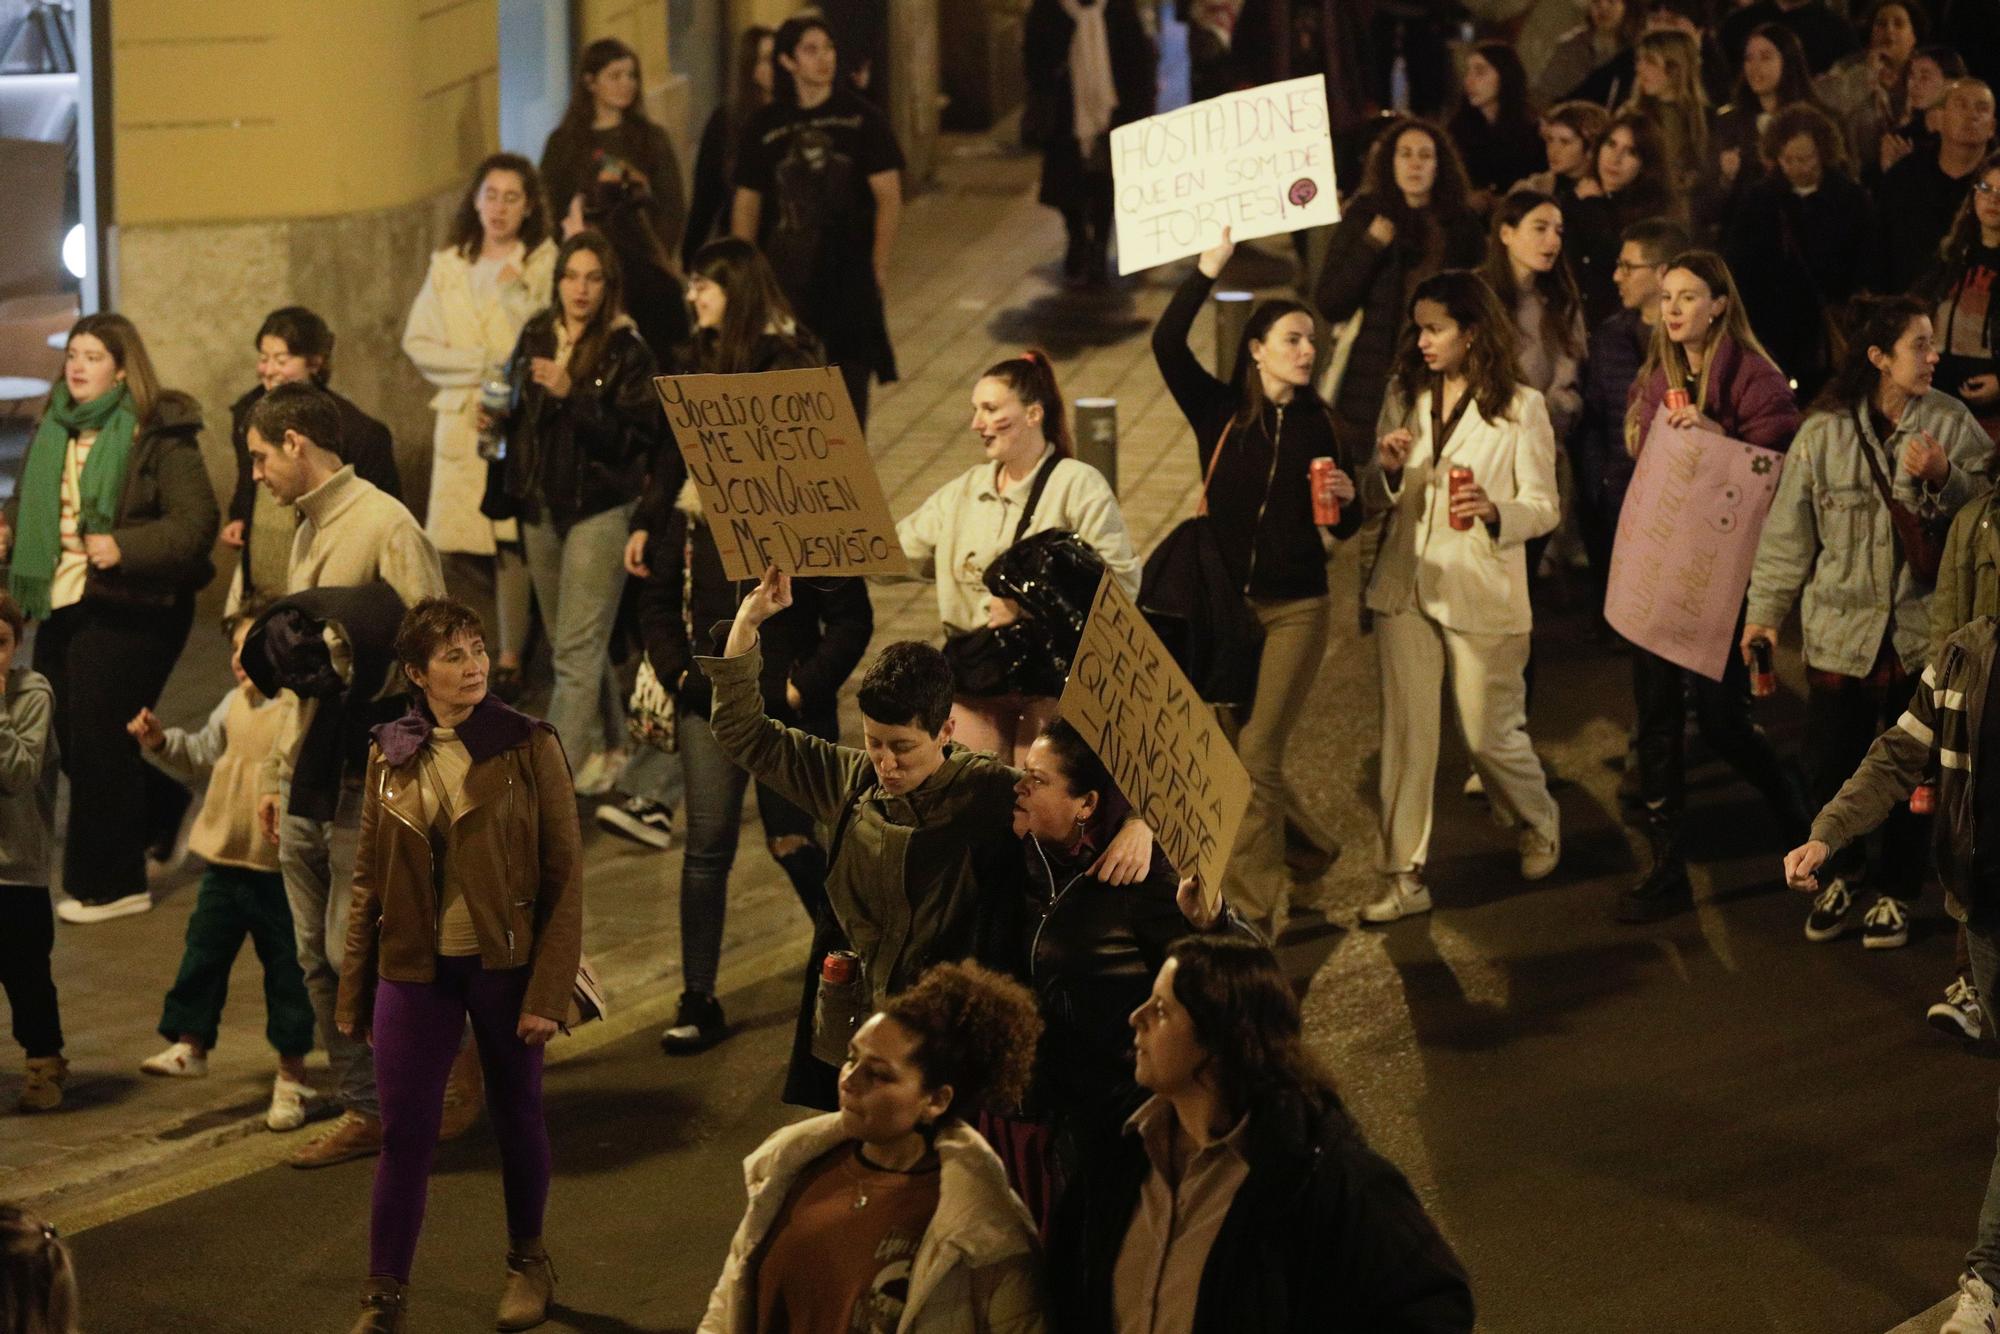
[
  {"x": 1249, "y": 385},
  {"x": 1665, "y": 355},
  {"x": 1869, "y": 322},
  {"x": 37, "y": 1282},
  {"x": 1033, "y": 380},
  {"x": 1490, "y": 374},
  {"x": 1562, "y": 306}
]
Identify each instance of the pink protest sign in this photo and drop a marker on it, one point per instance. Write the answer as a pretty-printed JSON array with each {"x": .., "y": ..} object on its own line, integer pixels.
[{"x": 1686, "y": 539}]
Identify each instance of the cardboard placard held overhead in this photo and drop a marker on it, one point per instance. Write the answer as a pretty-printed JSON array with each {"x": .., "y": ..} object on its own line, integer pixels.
[
  {"x": 784, "y": 473},
  {"x": 1259, "y": 162},
  {"x": 1159, "y": 739}
]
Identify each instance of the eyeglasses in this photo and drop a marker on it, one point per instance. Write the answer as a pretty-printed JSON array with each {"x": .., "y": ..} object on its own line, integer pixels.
[
  {"x": 1621, "y": 267},
  {"x": 1985, "y": 188}
]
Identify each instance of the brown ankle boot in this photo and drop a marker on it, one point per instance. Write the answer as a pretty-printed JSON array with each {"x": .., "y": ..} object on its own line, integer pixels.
[
  {"x": 382, "y": 1307},
  {"x": 531, "y": 1286},
  {"x": 44, "y": 1090}
]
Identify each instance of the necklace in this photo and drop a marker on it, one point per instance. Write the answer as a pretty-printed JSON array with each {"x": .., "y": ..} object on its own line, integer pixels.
[{"x": 858, "y": 1166}]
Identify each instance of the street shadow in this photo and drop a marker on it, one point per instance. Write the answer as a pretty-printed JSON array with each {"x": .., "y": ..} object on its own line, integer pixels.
[
  {"x": 1067, "y": 322},
  {"x": 592, "y": 1322},
  {"x": 593, "y": 1130},
  {"x": 1542, "y": 990},
  {"x": 108, "y": 1091}
]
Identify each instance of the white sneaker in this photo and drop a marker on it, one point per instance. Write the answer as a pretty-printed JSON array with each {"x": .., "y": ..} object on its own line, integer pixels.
[
  {"x": 1406, "y": 897},
  {"x": 1975, "y": 1312},
  {"x": 640, "y": 820},
  {"x": 288, "y": 1104},
  {"x": 1959, "y": 1013},
  {"x": 600, "y": 773},
  {"x": 1539, "y": 853},
  {"x": 81, "y": 913},
  {"x": 180, "y": 1061}
]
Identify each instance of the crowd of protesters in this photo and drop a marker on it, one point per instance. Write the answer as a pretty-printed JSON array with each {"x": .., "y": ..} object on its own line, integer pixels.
[{"x": 1059, "y": 1080}]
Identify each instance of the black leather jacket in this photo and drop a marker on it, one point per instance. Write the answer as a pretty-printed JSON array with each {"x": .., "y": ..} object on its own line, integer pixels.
[{"x": 569, "y": 458}]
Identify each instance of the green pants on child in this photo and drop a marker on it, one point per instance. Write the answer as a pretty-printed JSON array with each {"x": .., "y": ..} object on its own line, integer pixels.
[{"x": 236, "y": 901}]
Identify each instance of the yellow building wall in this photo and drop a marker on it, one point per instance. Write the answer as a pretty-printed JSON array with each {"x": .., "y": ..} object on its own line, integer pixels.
[{"x": 239, "y": 109}]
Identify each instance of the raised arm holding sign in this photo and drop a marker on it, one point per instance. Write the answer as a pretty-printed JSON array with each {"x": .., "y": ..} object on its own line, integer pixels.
[
  {"x": 1259, "y": 162},
  {"x": 784, "y": 474}
]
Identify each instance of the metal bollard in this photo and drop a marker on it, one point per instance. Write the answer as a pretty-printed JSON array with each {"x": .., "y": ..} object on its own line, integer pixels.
[
  {"x": 1232, "y": 312},
  {"x": 1097, "y": 436}
]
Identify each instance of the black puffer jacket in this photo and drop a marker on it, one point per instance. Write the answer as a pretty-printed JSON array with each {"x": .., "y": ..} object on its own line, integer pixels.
[
  {"x": 167, "y": 515},
  {"x": 813, "y": 644},
  {"x": 1324, "y": 1237},
  {"x": 569, "y": 458},
  {"x": 1362, "y": 274},
  {"x": 1261, "y": 491}
]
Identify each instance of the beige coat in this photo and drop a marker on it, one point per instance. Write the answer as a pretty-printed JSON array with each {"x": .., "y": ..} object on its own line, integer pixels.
[
  {"x": 1474, "y": 582},
  {"x": 454, "y": 338},
  {"x": 977, "y": 1270}
]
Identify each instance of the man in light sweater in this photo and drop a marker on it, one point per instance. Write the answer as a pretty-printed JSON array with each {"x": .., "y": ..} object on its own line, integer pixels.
[{"x": 350, "y": 533}]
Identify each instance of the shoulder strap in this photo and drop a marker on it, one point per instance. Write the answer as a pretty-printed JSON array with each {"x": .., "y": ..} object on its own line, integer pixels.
[
  {"x": 1874, "y": 464},
  {"x": 1201, "y": 510},
  {"x": 1035, "y": 496}
]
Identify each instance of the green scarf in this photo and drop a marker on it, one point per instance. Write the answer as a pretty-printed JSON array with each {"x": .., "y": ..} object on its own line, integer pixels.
[{"x": 38, "y": 525}]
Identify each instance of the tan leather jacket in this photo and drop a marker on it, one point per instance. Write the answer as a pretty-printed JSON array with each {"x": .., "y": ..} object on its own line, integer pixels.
[{"x": 514, "y": 852}]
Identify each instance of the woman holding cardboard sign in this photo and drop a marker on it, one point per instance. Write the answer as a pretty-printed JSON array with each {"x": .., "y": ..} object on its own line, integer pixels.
[
  {"x": 1878, "y": 434},
  {"x": 1466, "y": 469},
  {"x": 1705, "y": 372}
]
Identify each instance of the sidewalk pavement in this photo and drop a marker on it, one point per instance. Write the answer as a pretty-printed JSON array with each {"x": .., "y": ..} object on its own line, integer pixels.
[{"x": 976, "y": 279}]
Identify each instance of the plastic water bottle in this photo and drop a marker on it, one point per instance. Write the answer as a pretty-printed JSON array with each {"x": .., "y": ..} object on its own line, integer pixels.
[{"x": 496, "y": 396}]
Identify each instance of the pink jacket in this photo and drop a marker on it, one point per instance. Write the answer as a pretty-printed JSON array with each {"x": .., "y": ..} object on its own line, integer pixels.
[{"x": 1748, "y": 397}]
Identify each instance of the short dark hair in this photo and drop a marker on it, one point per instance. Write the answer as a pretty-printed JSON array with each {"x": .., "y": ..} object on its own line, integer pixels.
[
  {"x": 908, "y": 685},
  {"x": 304, "y": 334},
  {"x": 784, "y": 88},
  {"x": 429, "y": 626},
  {"x": 305, "y": 408},
  {"x": 1660, "y": 238},
  {"x": 248, "y": 610},
  {"x": 976, "y": 1030},
  {"x": 1078, "y": 763},
  {"x": 12, "y": 616}
]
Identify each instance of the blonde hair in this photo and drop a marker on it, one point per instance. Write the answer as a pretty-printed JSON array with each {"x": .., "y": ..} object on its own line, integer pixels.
[
  {"x": 37, "y": 1282},
  {"x": 1682, "y": 114},
  {"x": 1664, "y": 354}
]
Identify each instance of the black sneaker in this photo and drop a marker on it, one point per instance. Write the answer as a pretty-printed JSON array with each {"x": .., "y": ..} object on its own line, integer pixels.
[
  {"x": 1886, "y": 925},
  {"x": 640, "y": 820},
  {"x": 1828, "y": 918},
  {"x": 698, "y": 1025}
]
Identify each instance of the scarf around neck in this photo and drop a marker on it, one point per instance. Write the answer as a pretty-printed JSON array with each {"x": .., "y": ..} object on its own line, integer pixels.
[
  {"x": 38, "y": 527},
  {"x": 1093, "y": 94}
]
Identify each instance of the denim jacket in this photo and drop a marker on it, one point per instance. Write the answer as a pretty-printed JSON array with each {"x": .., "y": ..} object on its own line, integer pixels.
[{"x": 1829, "y": 533}]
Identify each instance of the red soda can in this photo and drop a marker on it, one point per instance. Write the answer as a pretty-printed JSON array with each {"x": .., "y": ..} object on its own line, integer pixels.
[
  {"x": 1923, "y": 799},
  {"x": 1326, "y": 505},
  {"x": 1763, "y": 675},
  {"x": 839, "y": 967},
  {"x": 1458, "y": 479},
  {"x": 1676, "y": 399}
]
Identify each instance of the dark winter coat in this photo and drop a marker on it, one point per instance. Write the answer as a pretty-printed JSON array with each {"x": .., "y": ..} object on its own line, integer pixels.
[
  {"x": 1376, "y": 280},
  {"x": 1324, "y": 1237},
  {"x": 569, "y": 458},
  {"x": 1496, "y": 153},
  {"x": 167, "y": 518},
  {"x": 1260, "y": 493},
  {"x": 1597, "y": 446},
  {"x": 1798, "y": 258},
  {"x": 1045, "y": 59}
]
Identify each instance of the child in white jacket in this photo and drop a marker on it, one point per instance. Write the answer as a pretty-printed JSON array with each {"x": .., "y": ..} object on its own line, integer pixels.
[{"x": 242, "y": 892}]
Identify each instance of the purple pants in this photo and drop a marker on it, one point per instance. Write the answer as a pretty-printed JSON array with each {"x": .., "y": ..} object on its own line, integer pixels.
[{"x": 417, "y": 1029}]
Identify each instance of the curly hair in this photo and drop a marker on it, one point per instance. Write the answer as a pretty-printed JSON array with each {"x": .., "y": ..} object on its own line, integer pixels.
[
  {"x": 1489, "y": 362},
  {"x": 1246, "y": 1019},
  {"x": 1378, "y": 175},
  {"x": 467, "y": 230},
  {"x": 976, "y": 1030},
  {"x": 1808, "y": 120}
]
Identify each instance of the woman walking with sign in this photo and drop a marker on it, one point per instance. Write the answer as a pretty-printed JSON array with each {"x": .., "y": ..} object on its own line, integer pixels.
[
  {"x": 1466, "y": 468},
  {"x": 1259, "y": 440},
  {"x": 1711, "y": 374},
  {"x": 1879, "y": 449},
  {"x": 1030, "y": 482}
]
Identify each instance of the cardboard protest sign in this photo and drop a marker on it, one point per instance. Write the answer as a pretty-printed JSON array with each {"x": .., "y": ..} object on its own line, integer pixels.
[
  {"x": 784, "y": 473},
  {"x": 1161, "y": 742},
  {"x": 1687, "y": 538},
  {"x": 1258, "y": 161}
]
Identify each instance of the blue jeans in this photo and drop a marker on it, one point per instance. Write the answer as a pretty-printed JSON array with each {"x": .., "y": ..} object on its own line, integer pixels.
[
  {"x": 578, "y": 578},
  {"x": 317, "y": 859},
  {"x": 714, "y": 789}
]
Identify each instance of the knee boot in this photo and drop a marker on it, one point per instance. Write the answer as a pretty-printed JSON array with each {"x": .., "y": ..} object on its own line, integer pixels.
[
  {"x": 382, "y": 1307},
  {"x": 1664, "y": 890},
  {"x": 531, "y": 1285}
]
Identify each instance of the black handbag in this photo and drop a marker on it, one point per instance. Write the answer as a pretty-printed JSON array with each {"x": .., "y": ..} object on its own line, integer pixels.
[
  {"x": 984, "y": 662},
  {"x": 1053, "y": 576},
  {"x": 1197, "y": 608}
]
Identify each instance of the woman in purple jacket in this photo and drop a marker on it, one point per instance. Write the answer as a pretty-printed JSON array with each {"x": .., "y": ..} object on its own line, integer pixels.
[{"x": 1704, "y": 349}]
